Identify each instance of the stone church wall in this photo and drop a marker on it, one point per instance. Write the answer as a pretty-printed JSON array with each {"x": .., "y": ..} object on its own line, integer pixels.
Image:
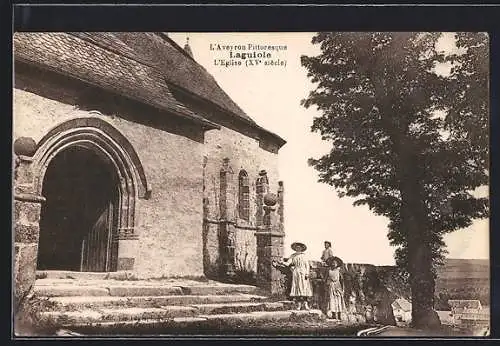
[
  {"x": 243, "y": 153},
  {"x": 169, "y": 223}
]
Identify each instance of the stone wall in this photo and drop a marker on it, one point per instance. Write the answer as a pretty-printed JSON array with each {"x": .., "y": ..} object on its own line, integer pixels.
[
  {"x": 245, "y": 154},
  {"x": 238, "y": 152},
  {"x": 169, "y": 223}
]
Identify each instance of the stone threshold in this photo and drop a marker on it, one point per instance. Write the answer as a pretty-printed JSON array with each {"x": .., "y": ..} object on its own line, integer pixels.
[{"x": 69, "y": 274}]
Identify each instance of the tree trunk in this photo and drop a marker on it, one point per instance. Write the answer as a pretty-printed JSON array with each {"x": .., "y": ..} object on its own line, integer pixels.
[
  {"x": 420, "y": 261},
  {"x": 422, "y": 285}
]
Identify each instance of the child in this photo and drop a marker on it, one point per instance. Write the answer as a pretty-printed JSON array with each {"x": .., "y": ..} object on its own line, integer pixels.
[{"x": 335, "y": 293}]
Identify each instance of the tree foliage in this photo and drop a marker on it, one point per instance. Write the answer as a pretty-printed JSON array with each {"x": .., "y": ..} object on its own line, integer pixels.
[{"x": 410, "y": 143}]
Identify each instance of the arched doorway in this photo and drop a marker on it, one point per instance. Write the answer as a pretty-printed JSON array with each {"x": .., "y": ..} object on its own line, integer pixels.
[
  {"x": 92, "y": 145},
  {"x": 78, "y": 222}
]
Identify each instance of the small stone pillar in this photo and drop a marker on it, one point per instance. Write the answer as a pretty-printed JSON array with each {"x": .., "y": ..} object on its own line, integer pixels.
[
  {"x": 261, "y": 189},
  {"x": 26, "y": 222},
  {"x": 269, "y": 249},
  {"x": 281, "y": 206}
]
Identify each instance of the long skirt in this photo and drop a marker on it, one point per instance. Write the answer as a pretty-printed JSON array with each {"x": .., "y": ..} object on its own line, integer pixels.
[
  {"x": 335, "y": 299},
  {"x": 301, "y": 287}
]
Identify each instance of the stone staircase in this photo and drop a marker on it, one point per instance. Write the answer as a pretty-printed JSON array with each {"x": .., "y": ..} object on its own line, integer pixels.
[{"x": 96, "y": 301}]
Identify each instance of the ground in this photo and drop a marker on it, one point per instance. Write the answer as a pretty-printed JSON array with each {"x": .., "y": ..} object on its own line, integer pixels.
[
  {"x": 294, "y": 326},
  {"x": 277, "y": 328},
  {"x": 323, "y": 328}
]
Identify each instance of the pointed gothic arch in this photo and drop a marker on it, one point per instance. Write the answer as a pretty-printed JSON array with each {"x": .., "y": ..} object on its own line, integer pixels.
[{"x": 243, "y": 195}]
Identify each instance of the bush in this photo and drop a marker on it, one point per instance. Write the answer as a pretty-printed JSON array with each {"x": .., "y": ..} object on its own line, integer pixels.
[{"x": 464, "y": 289}]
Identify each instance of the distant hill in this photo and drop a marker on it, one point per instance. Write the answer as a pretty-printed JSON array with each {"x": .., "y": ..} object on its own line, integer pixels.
[
  {"x": 456, "y": 279},
  {"x": 455, "y": 268},
  {"x": 464, "y": 279}
]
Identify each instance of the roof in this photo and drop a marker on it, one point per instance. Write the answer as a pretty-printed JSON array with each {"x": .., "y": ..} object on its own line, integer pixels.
[
  {"x": 187, "y": 73},
  {"x": 77, "y": 57},
  {"x": 142, "y": 66},
  {"x": 464, "y": 304}
]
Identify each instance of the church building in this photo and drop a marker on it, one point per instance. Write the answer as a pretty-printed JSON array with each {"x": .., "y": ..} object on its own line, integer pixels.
[{"x": 130, "y": 157}]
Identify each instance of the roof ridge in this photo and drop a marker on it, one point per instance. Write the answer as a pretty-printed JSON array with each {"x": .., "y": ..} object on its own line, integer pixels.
[
  {"x": 181, "y": 50},
  {"x": 132, "y": 54},
  {"x": 175, "y": 45}
]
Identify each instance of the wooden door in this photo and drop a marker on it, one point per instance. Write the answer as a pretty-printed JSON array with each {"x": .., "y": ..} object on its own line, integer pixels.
[{"x": 97, "y": 244}]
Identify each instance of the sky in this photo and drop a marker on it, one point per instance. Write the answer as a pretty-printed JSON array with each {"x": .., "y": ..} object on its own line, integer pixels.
[{"x": 271, "y": 96}]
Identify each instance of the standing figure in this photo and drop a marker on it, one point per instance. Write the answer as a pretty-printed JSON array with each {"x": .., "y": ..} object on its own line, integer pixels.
[
  {"x": 327, "y": 252},
  {"x": 301, "y": 289},
  {"x": 334, "y": 290}
]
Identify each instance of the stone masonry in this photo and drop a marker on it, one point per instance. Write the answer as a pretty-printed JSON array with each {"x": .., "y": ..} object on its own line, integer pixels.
[
  {"x": 173, "y": 165},
  {"x": 183, "y": 209}
]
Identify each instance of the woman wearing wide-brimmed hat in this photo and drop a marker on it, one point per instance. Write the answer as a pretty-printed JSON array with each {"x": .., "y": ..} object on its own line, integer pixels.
[
  {"x": 334, "y": 290},
  {"x": 301, "y": 286}
]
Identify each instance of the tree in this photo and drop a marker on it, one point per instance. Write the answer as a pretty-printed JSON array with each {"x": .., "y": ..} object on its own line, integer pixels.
[{"x": 408, "y": 142}]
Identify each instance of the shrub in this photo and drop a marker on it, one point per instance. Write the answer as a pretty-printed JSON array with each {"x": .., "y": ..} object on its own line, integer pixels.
[
  {"x": 244, "y": 269},
  {"x": 28, "y": 320}
]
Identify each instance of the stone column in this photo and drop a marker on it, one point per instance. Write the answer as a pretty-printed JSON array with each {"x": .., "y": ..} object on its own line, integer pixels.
[
  {"x": 281, "y": 206},
  {"x": 269, "y": 249},
  {"x": 26, "y": 222},
  {"x": 261, "y": 189},
  {"x": 227, "y": 220}
]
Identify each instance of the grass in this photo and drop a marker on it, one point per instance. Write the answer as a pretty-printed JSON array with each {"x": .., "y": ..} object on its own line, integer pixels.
[{"x": 28, "y": 319}]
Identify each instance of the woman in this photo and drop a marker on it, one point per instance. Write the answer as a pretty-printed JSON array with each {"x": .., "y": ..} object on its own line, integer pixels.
[
  {"x": 301, "y": 287},
  {"x": 335, "y": 293}
]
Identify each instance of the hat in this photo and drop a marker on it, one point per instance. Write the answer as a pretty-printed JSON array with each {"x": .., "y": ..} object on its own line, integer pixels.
[
  {"x": 299, "y": 247},
  {"x": 328, "y": 242},
  {"x": 333, "y": 259}
]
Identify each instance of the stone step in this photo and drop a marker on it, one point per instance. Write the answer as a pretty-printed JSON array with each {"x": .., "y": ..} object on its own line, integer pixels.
[
  {"x": 94, "y": 302},
  {"x": 220, "y": 289},
  {"x": 68, "y": 318},
  {"x": 238, "y": 311},
  {"x": 66, "y": 274},
  {"x": 241, "y": 307},
  {"x": 49, "y": 288},
  {"x": 127, "y": 291},
  {"x": 72, "y": 290},
  {"x": 69, "y": 290},
  {"x": 81, "y": 282},
  {"x": 263, "y": 315},
  {"x": 88, "y": 324}
]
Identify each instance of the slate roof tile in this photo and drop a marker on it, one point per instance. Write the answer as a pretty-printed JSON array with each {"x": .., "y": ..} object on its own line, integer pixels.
[
  {"x": 75, "y": 57},
  {"x": 141, "y": 66}
]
